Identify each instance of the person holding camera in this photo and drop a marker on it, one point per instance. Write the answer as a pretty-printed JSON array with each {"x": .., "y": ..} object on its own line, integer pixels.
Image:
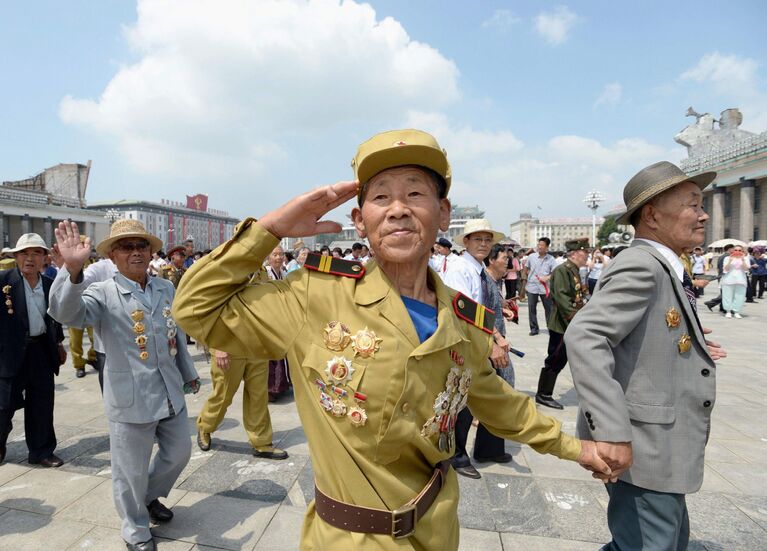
[{"x": 734, "y": 282}]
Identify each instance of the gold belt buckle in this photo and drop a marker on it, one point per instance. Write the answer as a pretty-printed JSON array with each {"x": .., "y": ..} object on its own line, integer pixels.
[{"x": 396, "y": 516}]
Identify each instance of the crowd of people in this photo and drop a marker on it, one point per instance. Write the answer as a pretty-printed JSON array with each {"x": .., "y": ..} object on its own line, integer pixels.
[{"x": 390, "y": 362}]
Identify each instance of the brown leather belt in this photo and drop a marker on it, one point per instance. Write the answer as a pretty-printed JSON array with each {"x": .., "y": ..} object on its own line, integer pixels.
[{"x": 399, "y": 523}]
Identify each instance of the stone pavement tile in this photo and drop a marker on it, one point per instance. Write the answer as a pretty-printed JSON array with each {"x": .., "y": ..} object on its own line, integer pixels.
[
  {"x": 753, "y": 450},
  {"x": 714, "y": 482},
  {"x": 742, "y": 420},
  {"x": 108, "y": 539},
  {"x": 22, "y": 531},
  {"x": 750, "y": 479},
  {"x": 721, "y": 526},
  {"x": 284, "y": 530},
  {"x": 475, "y": 540},
  {"x": 721, "y": 430},
  {"x": 218, "y": 521},
  {"x": 474, "y": 505},
  {"x": 512, "y": 541},
  {"x": 9, "y": 471},
  {"x": 549, "y": 466},
  {"x": 93, "y": 461},
  {"x": 518, "y": 505},
  {"x": 17, "y": 446},
  {"x": 518, "y": 466},
  {"x": 45, "y": 491},
  {"x": 753, "y": 506},
  {"x": 242, "y": 475},
  {"x": 575, "y": 509},
  {"x": 196, "y": 461},
  {"x": 97, "y": 506},
  {"x": 294, "y": 441},
  {"x": 75, "y": 414},
  {"x": 718, "y": 450},
  {"x": 82, "y": 444},
  {"x": 305, "y": 483}
]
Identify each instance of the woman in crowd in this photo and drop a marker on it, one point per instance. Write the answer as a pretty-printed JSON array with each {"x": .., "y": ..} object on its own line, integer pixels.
[
  {"x": 511, "y": 277},
  {"x": 595, "y": 265},
  {"x": 279, "y": 379},
  {"x": 298, "y": 262},
  {"x": 734, "y": 282},
  {"x": 759, "y": 274}
]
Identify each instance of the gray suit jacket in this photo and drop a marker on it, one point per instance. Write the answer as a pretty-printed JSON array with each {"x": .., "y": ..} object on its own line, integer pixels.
[
  {"x": 632, "y": 381},
  {"x": 135, "y": 390}
]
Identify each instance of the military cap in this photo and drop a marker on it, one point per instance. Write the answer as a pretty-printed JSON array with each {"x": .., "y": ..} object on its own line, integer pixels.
[
  {"x": 174, "y": 250},
  {"x": 400, "y": 148},
  {"x": 582, "y": 243}
]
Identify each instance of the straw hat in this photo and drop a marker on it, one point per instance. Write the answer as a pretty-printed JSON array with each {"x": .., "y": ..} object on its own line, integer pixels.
[
  {"x": 400, "y": 148},
  {"x": 123, "y": 229},
  {"x": 28, "y": 241},
  {"x": 654, "y": 180},
  {"x": 475, "y": 225}
]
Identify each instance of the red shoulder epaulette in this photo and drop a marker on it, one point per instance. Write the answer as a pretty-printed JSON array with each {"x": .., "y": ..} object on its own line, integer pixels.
[
  {"x": 336, "y": 266},
  {"x": 474, "y": 313}
]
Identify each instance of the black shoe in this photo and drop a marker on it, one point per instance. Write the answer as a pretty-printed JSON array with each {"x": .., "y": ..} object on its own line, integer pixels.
[
  {"x": 203, "y": 440},
  {"x": 80, "y": 373},
  {"x": 505, "y": 458},
  {"x": 270, "y": 452},
  {"x": 2, "y": 454},
  {"x": 468, "y": 471},
  {"x": 533, "y": 333},
  {"x": 143, "y": 546},
  {"x": 159, "y": 512},
  {"x": 50, "y": 461},
  {"x": 710, "y": 305},
  {"x": 548, "y": 401}
]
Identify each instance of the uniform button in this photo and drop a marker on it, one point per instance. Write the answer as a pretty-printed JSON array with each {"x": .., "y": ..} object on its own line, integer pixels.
[
  {"x": 705, "y": 372},
  {"x": 707, "y": 404},
  {"x": 405, "y": 407},
  {"x": 588, "y": 415},
  {"x": 418, "y": 358}
]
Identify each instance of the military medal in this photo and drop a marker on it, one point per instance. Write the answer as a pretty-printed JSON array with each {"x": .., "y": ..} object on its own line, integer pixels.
[
  {"x": 684, "y": 344},
  {"x": 365, "y": 343},
  {"x": 8, "y": 301},
  {"x": 673, "y": 318},
  {"x": 137, "y": 315},
  {"x": 448, "y": 404},
  {"x": 357, "y": 415},
  {"x": 339, "y": 370},
  {"x": 336, "y": 336},
  {"x": 338, "y": 408},
  {"x": 171, "y": 325},
  {"x": 138, "y": 327},
  {"x": 144, "y": 355}
]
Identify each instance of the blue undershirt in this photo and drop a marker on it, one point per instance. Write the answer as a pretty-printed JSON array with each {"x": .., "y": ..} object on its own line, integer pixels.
[{"x": 424, "y": 317}]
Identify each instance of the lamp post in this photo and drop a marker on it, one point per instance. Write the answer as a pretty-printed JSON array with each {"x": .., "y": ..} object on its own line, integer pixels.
[
  {"x": 111, "y": 216},
  {"x": 592, "y": 200}
]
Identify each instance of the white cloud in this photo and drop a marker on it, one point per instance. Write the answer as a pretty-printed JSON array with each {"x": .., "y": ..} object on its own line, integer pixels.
[
  {"x": 230, "y": 84},
  {"x": 611, "y": 95},
  {"x": 555, "y": 26},
  {"x": 724, "y": 71},
  {"x": 501, "y": 19}
]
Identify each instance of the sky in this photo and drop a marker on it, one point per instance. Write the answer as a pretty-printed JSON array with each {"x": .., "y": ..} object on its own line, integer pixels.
[{"x": 253, "y": 102}]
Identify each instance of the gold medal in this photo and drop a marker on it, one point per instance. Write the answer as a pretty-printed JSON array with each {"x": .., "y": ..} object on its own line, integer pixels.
[
  {"x": 138, "y": 327},
  {"x": 137, "y": 315},
  {"x": 336, "y": 336},
  {"x": 10, "y": 311},
  {"x": 339, "y": 370},
  {"x": 357, "y": 416},
  {"x": 365, "y": 343},
  {"x": 8, "y": 302},
  {"x": 141, "y": 340},
  {"x": 684, "y": 344},
  {"x": 144, "y": 355},
  {"x": 6, "y": 289},
  {"x": 673, "y": 318}
]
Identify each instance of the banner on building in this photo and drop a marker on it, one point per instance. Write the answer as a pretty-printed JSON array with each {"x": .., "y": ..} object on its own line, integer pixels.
[{"x": 197, "y": 202}]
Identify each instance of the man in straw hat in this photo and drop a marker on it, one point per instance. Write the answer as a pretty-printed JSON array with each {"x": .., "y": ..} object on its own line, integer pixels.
[
  {"x": 382, "y": 356},
  {"x": 147, "y": 371},
  {"x": 32, "y": 352},
  {"x": 468, "y": 276},
  {"x": 642, "y": 367}
]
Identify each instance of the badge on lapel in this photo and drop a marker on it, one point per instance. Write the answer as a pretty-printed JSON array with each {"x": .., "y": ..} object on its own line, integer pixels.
[
  {"x": 684, "y": 344},
  {"x": 673, "y": 317}
]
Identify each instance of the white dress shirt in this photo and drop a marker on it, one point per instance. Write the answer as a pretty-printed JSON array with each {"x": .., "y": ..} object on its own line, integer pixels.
[
  {"x": 35, "y": 299},
  {"x": 463, "y": 276},
  {"x": 668, "y": 254}
]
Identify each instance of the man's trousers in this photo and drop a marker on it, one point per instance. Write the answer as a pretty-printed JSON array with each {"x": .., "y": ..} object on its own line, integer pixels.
[
  {"x": 76, "y": 347},
  {"x": 255, "y": 402},
  {"x": 555, "y": 361},
  {"x": 33, "y": 389},
  {"x": 135, "y": 481},
  {"x": 532, "y": 309}
]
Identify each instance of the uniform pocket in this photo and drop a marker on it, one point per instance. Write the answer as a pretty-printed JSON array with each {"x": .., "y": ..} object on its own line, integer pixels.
[
  {"x": 646, "y": 413},
  {"x": 119, "y": 385}
]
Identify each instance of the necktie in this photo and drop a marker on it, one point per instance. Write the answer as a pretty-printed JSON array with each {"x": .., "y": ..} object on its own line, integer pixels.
[
  {"x": 444, "y": 265},
  {"x": 485, "y": 288},
  {"x": 688, "y": 290}
]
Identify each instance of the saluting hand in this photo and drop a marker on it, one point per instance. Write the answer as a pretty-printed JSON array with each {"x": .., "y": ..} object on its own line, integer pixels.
[
  {"x": 72, "y": 251},
  {"x": 300, "y": 217}
]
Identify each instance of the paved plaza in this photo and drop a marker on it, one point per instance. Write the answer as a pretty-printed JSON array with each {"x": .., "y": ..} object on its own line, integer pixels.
[{"x": 227, "y": 499}]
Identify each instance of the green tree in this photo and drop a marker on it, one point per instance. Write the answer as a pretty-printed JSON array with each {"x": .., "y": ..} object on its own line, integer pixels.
[{"x": 608, "y": 226}]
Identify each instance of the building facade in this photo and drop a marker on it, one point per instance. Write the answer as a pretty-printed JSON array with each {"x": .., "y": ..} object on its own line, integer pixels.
[{"x": 528, "y": 230}]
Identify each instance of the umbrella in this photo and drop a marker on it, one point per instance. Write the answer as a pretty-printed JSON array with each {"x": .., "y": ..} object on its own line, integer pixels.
[
  {"x": 722, "y": 242},
  {"x": 760, "y": 243}
]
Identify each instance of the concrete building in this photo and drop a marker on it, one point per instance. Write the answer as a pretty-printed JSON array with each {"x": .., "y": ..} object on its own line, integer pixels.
[
  {"x": 528, "y": 230},
  {"x": 734, "y": 200}
]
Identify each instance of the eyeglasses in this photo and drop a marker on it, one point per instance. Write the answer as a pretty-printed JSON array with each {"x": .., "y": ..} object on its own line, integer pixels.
[
  {"x": 130, "y": 246},
  {"x": 488, "y": 240}
]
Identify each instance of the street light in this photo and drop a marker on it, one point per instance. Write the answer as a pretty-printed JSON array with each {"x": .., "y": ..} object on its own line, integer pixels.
[
  {"x": 112, "y": 215},
  {"x": 592, "y": 200}
]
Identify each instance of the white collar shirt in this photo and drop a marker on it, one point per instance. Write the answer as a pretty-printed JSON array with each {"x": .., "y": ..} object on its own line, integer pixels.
[
  {"x": 668, "y": 254},
  {"x": 464, "y": 276},
  {"x": 35, "y": 299}
]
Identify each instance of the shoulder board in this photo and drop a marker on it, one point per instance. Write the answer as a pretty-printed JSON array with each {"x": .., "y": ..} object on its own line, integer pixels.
[
  {"x": 474, "y": 313},
  {"x": 336, "y": 266}
]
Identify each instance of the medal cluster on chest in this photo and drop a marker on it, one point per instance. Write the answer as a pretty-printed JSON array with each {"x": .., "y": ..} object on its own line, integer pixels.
[
  {"x": 8, "y": 301},
  {"x": 141, "y": 337},
  {"x": 448, "y": 404}
]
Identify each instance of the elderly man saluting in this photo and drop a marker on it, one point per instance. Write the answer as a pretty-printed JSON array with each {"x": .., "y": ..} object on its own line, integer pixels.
[
  {"x": 644, "y": 373},
  {"x": 147, "y": 370},
  {"x": 382, "y": 356}
]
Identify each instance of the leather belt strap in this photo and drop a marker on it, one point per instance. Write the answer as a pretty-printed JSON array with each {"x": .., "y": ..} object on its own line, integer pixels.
[{"x": 399, "y": 523}]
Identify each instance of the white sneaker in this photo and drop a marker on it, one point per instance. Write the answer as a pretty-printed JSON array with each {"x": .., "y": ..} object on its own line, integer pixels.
[
  {"x": 728, "y": 315},
  {"x": 738, "y": 316}
]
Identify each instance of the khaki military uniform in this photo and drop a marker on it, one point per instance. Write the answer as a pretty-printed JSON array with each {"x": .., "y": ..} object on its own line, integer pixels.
[
  {"x": 76, "y": 347},
  {"x": 171, "y": 273},
  {"x": 386, "y": 461}
]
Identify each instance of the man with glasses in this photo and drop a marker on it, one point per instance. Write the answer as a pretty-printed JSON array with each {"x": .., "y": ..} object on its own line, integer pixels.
[{"x": 147, "y": 372}]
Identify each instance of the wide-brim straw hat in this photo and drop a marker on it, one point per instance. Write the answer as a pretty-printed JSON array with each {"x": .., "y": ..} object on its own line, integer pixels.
[
  {"x": 654, "y": 180},
  {"x": 400, "y": 148},
  {"x": 123, "y": 229},
  {"x": 475, "y": 225},
  {"x": 28, "y": 241}
]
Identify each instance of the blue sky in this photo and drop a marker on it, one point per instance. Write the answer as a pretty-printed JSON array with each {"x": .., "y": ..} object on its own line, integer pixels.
[{"x": 253, "y": 102}]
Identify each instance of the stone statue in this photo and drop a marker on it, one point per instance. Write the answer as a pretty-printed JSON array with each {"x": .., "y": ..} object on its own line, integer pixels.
[{"x": 702, "y": 137}]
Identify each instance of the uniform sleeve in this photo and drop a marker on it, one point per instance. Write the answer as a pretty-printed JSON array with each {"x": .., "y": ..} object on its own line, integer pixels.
[
  {"x": 513, "y": 415},
  {"x": 624, "y": 295},
  {"x": 560, "y": 282},
  {"x": 215, "y": 304},
  {"x": 75, "y": 304}
]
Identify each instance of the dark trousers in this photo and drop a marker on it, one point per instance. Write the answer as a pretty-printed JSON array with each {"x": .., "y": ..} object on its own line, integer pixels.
[
  {"x": 641, "y": 519},
  {"x": 532, "y": 309},
  {"x": 554, "y": 363},
  {"x": 486, "y": 444},
  {"x": 761, "y": 281},
  {"x": 511, "y": 287},
  {"x": 101, "y": 360},
  {"x": 592, "y": 284},
  {"x": 699, "y": 291},
  {"x": 33, "y": 389},
  {"x": 750, "y": 287}
]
